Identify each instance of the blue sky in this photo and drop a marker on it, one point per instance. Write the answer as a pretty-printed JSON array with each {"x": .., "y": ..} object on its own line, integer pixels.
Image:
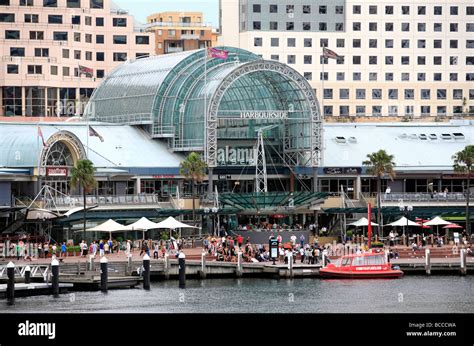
[{"x": 142, "y": 8}]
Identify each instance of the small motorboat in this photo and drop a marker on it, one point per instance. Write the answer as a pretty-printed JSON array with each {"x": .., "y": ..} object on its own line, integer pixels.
[{"x": 367, "y": 265}]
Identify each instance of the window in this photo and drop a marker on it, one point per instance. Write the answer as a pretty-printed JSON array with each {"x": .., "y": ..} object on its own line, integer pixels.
[
  {"x": 340, "y": 43},
  {"x": 99, "y": 39},
  {"x": 308, "y": 42},
  {"x": 453, "y": 44},
  {"x": 290, "y": 26},
  {"x": 469, "y": 27},
  {"x": 388, "y": 26},
  {"x": 441, "y": 94},
  {"x": 409, "y": 94},
  {"x": 453, "y": 77},
  {"x": 291, "y": 42},
  {"x": 421, "y": 43},
  {"x": 273, "y": 8},
  {"x": 76, "y": 20},
  {"x": 275, "y": 57},
  {"x": 469, "y": 43},
  {"x": 12, "y": 69},
  {"x": 273, "y": 25},
  {"x": 60, "y": 36},
  {"x": 73, "y": 3},
  {"x": 55, "y": 19},
  {"x": 425, "y": 110},
  {"x": 344, "y": 94},
  {"x": 453, "y": 10},
  {"x": 421, "y": 27},
  {"x": 437, "y": 44},
  {"x": 389, "y": 43},
  {"x": 340, "y": 60},
  {"x": 339, "y": 9},
  {"x": 12, "y": 34},
  {"x": 421, "y": 10},
  {"x": 119, "y": 22},
  {"x": 438, "y": 27},
  {"x": 356, "y": 76},
  {"x": 356, "y": 26},
  {"x": 54, "y": 70},
  {"x": 328, "y": 94},
  {"x": 323, "y": 26},
  {"x": 36, "y": 35},
  {"x": 323, "y": 42},
  {"x": 340, "y": 76},
  {"x": 275, "y": 42},
  {"x": 35, "y": 69},
  {"x": 7, "y": 18},
  {"x": 77, "y": 37},
  {"x": 453, "y": 27},
  {"x": 88, "y": 20},
  {"x": 290, "y": 8},
  {"x": 322, "y": 9},
  {"x": 405, "y": 26},
  {"x": 405, "y": 60},
  {"x": 257, "y": 42},
  {"x": 405, "y": 43},
  {"x": 421, "y": 60},
  {"x": 88, "y": 38},
  {"x": 356, "y": 60},
  {"x": 441, "y": 110},
  {"x": 376, "y": 94},
  {"x": 469, "y": 77},
  {"x": 308, "y": 75},
  {"x": 291, "y": 59},
  {"x": 89, "y": 56},
  {"x": 360, "y": 94},
  {"x": 372, "y": 9},
  {"x": 437, "y": 77},
  {"x": 372, "y": 26},
  {"x": 324, "y": 76},
  {"x": 360, "y": 110},
  {"x": 96, "y": 3},
  {"x": 65, "y": 71},
  {"x": 457, "y": 94},
  {"x": 42, "y": 52},
  {"x": 308, "y": 59},
  {"x": 405, "y": 76},
  {"x": 257, "y": 25},
  {"x": 50, "y": 3},
  {"x": 356, "y": 9},
  {"x": 421, "y": 77},
  {"x": 26, "y": 2},
  {"x": 393, "y": 110},
  {"x": 470, "y": 10},
  {"x": 339, "y": 27},
  {"x": 388, "y": 9},
  {"x": 453, "y": 60},
  {"x": 376, "y": 110},
  {"x": 389, "y": 76},
  {"x": 405, "y": 10},
  {"x": 65, "y": 53},
  {"x": 100, "y": 56},
  {"x": 30, "y": 18},
  {"x": 356, "y": 43},
  {"x": 307, "y": 26},
  {"x": 373, "y": 60},
  {"x": 438, "y": 10},
  {"x": 470, "y": 60},
  {"x": 393, "y": 94},
  {"x": 372, "y": 76},
  {"x": 257, "y": 8},
  {"x": 99, "y": 21},
  {"x": 343, "y": 110},
  {"x": 328, "y": 110}
]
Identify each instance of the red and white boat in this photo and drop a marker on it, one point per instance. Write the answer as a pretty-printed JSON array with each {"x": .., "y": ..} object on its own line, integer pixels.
[{"x": 368, "y": 265}]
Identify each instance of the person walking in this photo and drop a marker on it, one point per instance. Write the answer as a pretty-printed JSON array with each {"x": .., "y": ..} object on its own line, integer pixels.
[
  {"x": 157, "y": 251},
  {"x": 94, "y": 248},
  {"x": 101, "y": 248},
  {"x": 63, "y": 250},
  {"x": 111, "y": 246},
  {"x": 302, "y": 239},
  {"x": 106, "y": 248},
  {"x": 128, "y": 248},
  {"x": 46, "y": 250},
  {"x": 54, "y": 248}
]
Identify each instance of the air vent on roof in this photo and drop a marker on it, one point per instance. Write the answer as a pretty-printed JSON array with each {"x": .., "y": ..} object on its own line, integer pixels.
[
  {"x": 352, "y": 140},
  {"x": 446, "y": 136},
  {"x": 340, "y": 139},
  {"x": 459, "y": 136},
  {"x": 423, "y": 137},
  {"x": 433, "y": 137}
]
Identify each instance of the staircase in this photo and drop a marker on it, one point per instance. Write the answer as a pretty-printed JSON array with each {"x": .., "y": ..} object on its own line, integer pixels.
[{"x": 15, "y": 225}]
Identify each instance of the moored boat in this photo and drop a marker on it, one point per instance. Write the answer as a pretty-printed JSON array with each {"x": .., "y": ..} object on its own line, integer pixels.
[{"x": 368, "y": 265}]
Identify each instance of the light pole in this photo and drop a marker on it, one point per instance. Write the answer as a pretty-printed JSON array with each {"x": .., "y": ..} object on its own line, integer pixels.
[{"x": 406, "y": 210}]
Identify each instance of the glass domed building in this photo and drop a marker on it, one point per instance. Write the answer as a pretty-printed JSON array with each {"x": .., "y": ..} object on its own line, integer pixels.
[{"x": 217, "y": 107}]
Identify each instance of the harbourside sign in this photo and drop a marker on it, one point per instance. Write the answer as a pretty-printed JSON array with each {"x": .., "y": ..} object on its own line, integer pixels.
[{"x": 264, "y": 115}]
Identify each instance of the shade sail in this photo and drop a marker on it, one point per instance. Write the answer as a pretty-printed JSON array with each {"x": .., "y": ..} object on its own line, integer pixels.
[
  {"x": 403, "y": 222},
  {"x": 142, "y": 225},
  {"x": 362, "y": 222},
  {"x": 108, "y": 226},
  {"x": 437, "y": 221},
  {"x": 172, "y": 223}
]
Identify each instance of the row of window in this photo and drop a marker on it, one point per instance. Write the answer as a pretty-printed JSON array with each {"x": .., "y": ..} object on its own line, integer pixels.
[
  {"x": 58, "y": 19},
  {"x": 395, "y": 110},
  {"x": 63, "y": 36},
  {"x": 99, "y": 56},
  {"x": 356, "y": 9},
  {"x": 389, "y": 76},
  {"x": 95, "y": 4},
  {"x": 393, "y": 94},
  {"x": 357, "y": 43},
  {"x": 357, "y": 26}
]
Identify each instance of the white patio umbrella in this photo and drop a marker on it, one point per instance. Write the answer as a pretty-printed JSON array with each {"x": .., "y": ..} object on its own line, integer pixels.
[
  {"x": 142, "y": 225},
  {"x": 109, "y": 226},
  {"x": 362, "y": 222},
  {"x": 403, "y": 222},
  {"x": 171, "y": 223},
  {"x": 437, "y": 221}
]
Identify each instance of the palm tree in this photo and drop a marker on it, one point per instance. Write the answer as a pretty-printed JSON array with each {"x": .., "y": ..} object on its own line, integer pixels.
[
  {"x": 380, "y": 164},
  {"x": 193, "y": 168},
  {"x": 464, "y": 163},
  {"x": 83, "y": 175}
]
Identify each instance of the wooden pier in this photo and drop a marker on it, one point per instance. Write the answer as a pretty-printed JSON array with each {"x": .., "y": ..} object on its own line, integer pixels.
[{"x": 34, "y": 289}]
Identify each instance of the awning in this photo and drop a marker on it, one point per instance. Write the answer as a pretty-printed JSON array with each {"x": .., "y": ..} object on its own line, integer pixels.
[
  {"x": 403, "y": 222},
  {"x": 362, "y": 222}
]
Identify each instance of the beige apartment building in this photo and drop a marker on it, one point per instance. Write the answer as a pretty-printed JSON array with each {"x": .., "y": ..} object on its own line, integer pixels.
[
  {"x": 410, "y": 59},
  {"x": 56, "y": 52},
  {"x": 180, "y": 31}
]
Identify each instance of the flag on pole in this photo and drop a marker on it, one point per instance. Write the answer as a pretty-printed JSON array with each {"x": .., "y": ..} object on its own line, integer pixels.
[
  {"x": 89, "y": 72},
  {"x": 40, "y": 134},
  {"x": 217, "y": 53},
  {"x": 94, "y": 133},
  {"x": 329, "y": 54}
]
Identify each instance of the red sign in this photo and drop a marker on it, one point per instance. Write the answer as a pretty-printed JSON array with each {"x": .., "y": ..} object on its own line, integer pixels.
[{"x": 56, "y": 171}]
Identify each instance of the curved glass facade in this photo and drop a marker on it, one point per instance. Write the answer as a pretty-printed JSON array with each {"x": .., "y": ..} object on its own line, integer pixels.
[{"x": 194, "y": 101}]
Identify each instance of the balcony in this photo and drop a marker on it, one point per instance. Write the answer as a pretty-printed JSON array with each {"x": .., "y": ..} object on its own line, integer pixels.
[
  {"x": 174, "y": 49},
  {"x": 190, "y": 37},
  {"x": 177, "y": 25},
  {"x": 425, "y": 199}
]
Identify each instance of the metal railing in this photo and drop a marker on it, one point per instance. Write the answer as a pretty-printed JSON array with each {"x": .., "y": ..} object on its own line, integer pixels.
[
  {"x": 177, "y": 24},
  {"x": 425, "y": 197},
  {"x": 76, "y": 201},
  {"x": 130, "y": 119}
]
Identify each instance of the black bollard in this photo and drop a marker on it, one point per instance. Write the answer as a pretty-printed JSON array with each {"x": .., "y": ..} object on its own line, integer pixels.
[
  {"x": 182, "y": 270},
  {"x": 11, "y": 283},
  {"x": 104, "y": 274},
  {"x": 146, "y": 272},
  {"x": 27, "y": 275},
  {"x": 55, "y": 277}
]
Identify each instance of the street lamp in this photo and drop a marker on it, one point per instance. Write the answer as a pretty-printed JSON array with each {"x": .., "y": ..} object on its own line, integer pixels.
[
  {"x": 406, "y": 210},
  {"x": 213, "y": 212}
]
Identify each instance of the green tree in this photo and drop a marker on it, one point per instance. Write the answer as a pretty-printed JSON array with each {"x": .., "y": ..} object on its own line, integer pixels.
[
  {"x": 193, "y": 168},
  {"x": 82, "y": 174},
  {"x": 380, "y": 164},
  {"x": 464, "y": 163}
]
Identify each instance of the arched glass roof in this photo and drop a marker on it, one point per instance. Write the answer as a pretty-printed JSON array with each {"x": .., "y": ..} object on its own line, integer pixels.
[{"x": 175, "y": 95}]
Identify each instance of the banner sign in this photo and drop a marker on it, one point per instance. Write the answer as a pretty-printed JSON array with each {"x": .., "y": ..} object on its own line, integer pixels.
[
  {"x": 56, "y": 171},
  {"x": 342, "y": 170}
]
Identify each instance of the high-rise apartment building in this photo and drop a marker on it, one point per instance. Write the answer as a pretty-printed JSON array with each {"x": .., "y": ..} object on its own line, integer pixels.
[
  {"x": 396, "y": 58},
  {"x": 180, "y": 31},
  {"x": 56, "y": 52}
]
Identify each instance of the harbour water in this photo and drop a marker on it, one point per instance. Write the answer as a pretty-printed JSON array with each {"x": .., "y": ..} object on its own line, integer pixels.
[{"x": 411, "y": 294}]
